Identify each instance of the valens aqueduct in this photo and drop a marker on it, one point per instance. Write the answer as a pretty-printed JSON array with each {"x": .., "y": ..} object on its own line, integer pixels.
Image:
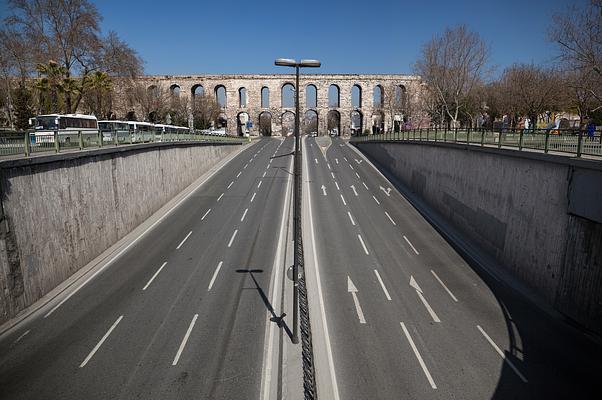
[{"x": 353, "y": 102}]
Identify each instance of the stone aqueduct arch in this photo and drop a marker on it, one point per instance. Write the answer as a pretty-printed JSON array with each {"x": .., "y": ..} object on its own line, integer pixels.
[{"x": 253, "y": 85}]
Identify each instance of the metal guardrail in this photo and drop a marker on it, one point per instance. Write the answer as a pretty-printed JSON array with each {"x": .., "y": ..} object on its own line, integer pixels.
[
  {"x": 574, "y": 142},
  {"x": 28, "y": 144}
]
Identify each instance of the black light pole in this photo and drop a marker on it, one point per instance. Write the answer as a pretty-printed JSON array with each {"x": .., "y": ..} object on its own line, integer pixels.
[{"x": 287, "y": 62}]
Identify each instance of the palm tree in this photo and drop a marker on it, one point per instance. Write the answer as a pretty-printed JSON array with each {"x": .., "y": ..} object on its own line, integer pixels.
[
  {"x": 43, "y": 87},
  {"x": 69, "y": 87},
  {"x": 54, "y": 74},
  {"x": 100, "y": 84}
]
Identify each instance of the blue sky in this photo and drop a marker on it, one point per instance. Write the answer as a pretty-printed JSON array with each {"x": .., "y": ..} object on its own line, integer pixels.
[{"x": 370, "y": 36}]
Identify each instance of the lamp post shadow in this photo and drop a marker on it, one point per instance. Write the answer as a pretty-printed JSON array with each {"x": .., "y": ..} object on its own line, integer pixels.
[{"x": 279, "y": 320}]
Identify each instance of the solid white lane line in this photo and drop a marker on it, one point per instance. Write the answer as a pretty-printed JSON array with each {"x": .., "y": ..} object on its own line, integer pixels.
[
  {"x": 220, "y": 197},
  {"x": 358, "y": 175},
  {"x": 375, "y": 199},
  {"x": 365, "y": 185},
  {"x": 351, "y": 218},
  {"x": 253, "y": 197},
  {"x": 444, "y": 287},
  {"x": 204, "y": 215},
  {"x": 182, "y": 242},
  {"x": 501, "y": 353},
  {"x": 332, "y": 174},
  {"x": 411, "y": 245},
  {"x": 232, "y": 238},
  {"x": 21, "y": 336},
  {"x": 259, "y": 185},
  {"x": 337, "y": 185},
  {"x": 382, "y": 284},
  {"x": 219, "y": 266},
  {"x": 363, "y": 245},
  {"x": 264, "y": 172},
  {"x": 183, "y": 344},
  {"x": 390, "y": 219},
  {"x": 238, "y": 175},
  {"x": 418, "y": 356},
  {"x": 154, "y": 276},
  {"x": 244, "y": 215},
  {"x": 230, "y": 185},
  {"x": 342, "y": 198},
  {"x": 95, "y": 349}
]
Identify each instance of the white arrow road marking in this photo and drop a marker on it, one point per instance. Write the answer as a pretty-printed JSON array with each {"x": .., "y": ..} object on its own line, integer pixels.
[
  {"x": 351, "y": 218},
  {"x": 363, "y": 245},
  {"x": 358, "y": 161},
  {"x": 337, "y": 185},
  {"x": 342, "y": 198},
  {"x": 219, "y": 266},
  {"x": 204, "y": 215},
  {"x": 183, "y": 344},
  {"x": 154, "y": 276},
  {"x": 95, "y": 349},
  {"x": 418, "y": 356},
  {"x": 390, "y": 219},
  {"x": 382, "y": 284},
  {"x": 411, "y": 245},
  {"x": 444, "y": 287},
  {"x": 353, "y": 188},
  {"x": 323, "y": 190},
  {"x": 387, "y": 191},
  {"x": 414, "y": 284},
  {"x": 501, "y": 353},
  {"x": 353, "y": 290}
]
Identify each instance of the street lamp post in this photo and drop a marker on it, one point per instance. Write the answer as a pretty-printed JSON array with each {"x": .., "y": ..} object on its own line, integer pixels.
[{"x": 287, "y": 62}]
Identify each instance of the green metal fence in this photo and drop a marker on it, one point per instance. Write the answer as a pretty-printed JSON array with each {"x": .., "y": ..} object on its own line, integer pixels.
[
  {"x": 30, "y": 143},
  {"x": 569, "y": 141}
]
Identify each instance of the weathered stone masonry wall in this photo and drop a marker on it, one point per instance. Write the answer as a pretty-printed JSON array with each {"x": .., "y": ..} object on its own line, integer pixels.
[
  {"x": 61, "y": 213},
  {"x": 520, "y": 208}
]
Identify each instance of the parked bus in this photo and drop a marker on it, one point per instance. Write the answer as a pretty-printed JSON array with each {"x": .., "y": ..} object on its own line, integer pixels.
[
  {"x": 141, "y": 131},
  {"x": 170, "y": 132},
  {"x": 114, "y": 130},
  {"x": 67, "y": 125}
]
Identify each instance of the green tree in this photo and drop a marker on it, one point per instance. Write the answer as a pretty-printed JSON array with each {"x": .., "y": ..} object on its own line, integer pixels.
[{"x": 23, "y": 107}]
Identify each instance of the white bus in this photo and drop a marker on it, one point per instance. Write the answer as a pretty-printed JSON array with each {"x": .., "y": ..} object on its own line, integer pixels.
[
  {"x": 170, "y": 132},
  {"x": 114, "y": 130},
  {"x": 141, "y": 131},
  {"x": 67, "y": 125}
]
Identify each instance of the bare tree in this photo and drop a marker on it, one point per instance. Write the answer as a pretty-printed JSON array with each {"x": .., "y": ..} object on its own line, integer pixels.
[
  {"x": 395, "y": 102},
  {"x": 451, "y": 65},
  {"x": 152, "y": 101},
  {"x": 531, "y": 90},
  {"x": 205, "y": 111}
]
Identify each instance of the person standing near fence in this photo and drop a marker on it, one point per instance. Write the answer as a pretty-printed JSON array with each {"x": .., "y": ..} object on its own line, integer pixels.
[{"x": 591, "y": 129}]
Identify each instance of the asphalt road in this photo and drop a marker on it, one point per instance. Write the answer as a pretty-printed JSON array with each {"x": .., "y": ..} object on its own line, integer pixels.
[
  {"x": 406, "y": 317},
  {"x": 182, "y": 314}
]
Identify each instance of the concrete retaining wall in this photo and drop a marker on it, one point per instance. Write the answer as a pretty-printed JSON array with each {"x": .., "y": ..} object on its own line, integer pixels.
[
  {"x": 60, "y": 212},
  {"x": 537, "y": 215}
]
